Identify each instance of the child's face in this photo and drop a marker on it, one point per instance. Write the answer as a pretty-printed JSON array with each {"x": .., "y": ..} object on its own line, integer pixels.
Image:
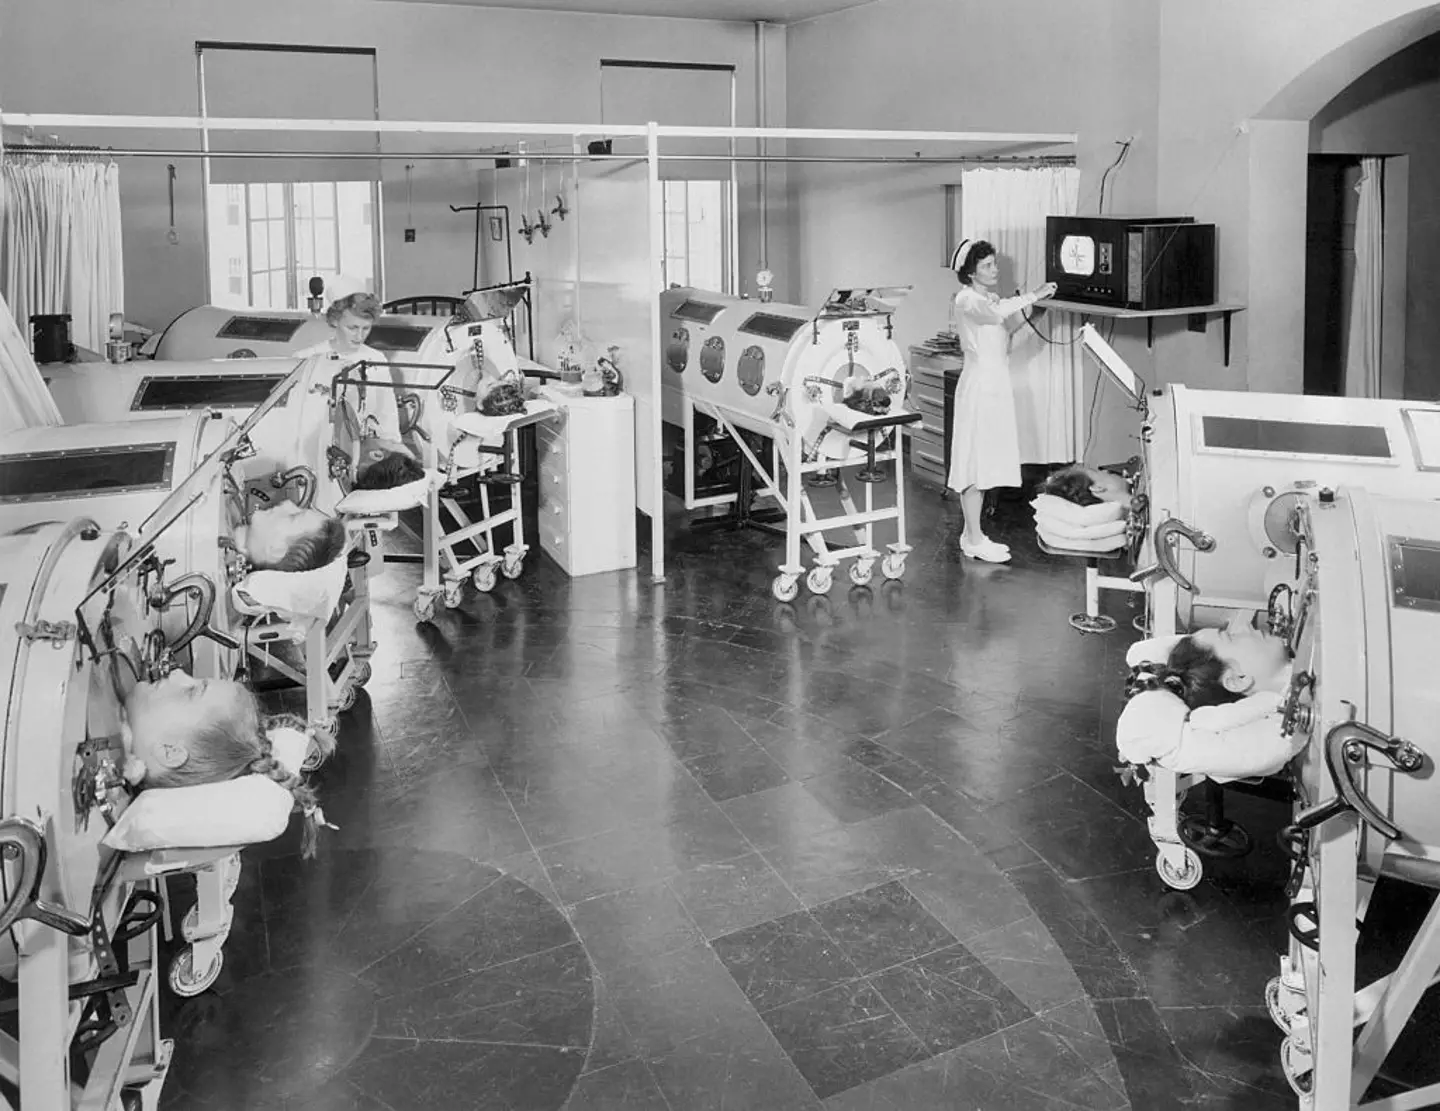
[
  {"x": 271, "y": 532},
  {"x": 1254, "y": 660},
  {"x": 1108, "y": 486},
  {"x": 165, "y": 717}
]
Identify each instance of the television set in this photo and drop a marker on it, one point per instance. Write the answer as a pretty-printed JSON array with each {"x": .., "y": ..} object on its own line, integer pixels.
[{"x": 1131, "y": 262}]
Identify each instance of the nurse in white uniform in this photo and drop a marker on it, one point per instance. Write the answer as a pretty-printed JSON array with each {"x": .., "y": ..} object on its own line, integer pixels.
[{"x": 985, "y": 451}]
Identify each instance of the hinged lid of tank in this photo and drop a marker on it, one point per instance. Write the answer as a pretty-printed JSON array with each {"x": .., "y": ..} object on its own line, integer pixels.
[{"x": 880, "y": 300}]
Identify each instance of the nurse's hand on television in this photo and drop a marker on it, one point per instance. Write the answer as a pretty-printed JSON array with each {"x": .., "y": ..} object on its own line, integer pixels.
[{"x": 1046, "y": 291}]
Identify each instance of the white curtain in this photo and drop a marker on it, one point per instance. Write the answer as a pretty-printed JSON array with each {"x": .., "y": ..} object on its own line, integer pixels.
[
  {"x": 24, "y": 400},
  {"x": 1008, "y": 207},
  {"x": 1362, "y": 347},
  {"x": 60, "y": 248}
]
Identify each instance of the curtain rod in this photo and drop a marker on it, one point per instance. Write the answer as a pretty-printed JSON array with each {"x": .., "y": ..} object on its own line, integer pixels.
[{"x": 994, "y": 159}]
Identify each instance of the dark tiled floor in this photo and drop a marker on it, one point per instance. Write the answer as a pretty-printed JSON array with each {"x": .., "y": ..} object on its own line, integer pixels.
[{"x": 607, "y": 844}]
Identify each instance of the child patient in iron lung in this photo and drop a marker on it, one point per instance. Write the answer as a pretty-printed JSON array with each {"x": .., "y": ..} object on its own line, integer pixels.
[
  {"x": 385, "y": 464},
  {"x": 288, "y": 537},
  {"x": 1085, "y": 485}
]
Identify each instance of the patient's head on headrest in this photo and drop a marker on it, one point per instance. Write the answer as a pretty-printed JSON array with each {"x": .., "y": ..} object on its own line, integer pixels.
[
  {"x": 1212, "y": 667},
  {"x": 385, "y": 464},
  {"x": 1085, "y": 485},
  {"x": 286, "y": 537},
  {"x": 186, "y": 732}
]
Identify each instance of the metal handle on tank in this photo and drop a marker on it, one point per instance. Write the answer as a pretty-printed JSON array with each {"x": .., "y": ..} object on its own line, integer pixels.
[
  {"x": 23, "y": 841},
  {"x": 1346, "y": 748},
  {"x": 199, "y": 587},
  {"x": 1167, "y": 534},
  {"x": 303, "y": 477}
]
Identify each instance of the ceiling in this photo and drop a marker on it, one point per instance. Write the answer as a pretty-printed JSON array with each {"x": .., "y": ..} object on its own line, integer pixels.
[{"x": 745, "y": 11}]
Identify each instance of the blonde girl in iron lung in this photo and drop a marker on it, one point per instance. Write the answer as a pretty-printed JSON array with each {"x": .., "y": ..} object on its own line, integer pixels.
[{"x": 985, "y": 451}]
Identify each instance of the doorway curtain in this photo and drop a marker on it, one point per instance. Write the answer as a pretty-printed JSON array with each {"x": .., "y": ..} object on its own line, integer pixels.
[
  {"x": 1008, "y": 207},
  {"x": 1362, "y": 346},
  {"x": 60, "y": 249}
]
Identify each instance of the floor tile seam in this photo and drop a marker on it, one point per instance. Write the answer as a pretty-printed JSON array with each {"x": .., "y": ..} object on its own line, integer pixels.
[
  {"x": 1109, "y": 804},
  {"x": 354, "y": 1086},
  {"x": 1122, "y": 956},
  {"x": 986, "y": 806},
  {"x": 650, "y": 1060},
  {"x": 470, "y": 973},
  {"x": 441, "y": 917}
]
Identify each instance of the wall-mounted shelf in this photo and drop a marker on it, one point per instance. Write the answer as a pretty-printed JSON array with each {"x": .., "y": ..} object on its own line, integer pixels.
[{"x": 1198, "y": 315}]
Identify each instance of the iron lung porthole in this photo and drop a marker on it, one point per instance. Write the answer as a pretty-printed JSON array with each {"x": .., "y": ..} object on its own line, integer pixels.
[
  {"x": 712, "y": 359},
  {"x": 677, "y": 351},
  {"x": 751, "y": 370}
]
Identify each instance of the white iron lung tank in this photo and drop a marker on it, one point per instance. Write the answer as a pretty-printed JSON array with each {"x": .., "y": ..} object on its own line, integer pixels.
[
  {"x": 764, "y": 363},
  {"x": 1229, "y": 469},
  {"x": 88, "y": 393},
  {"x": 212, "y": 332},
  {"x": 118, "y": 475},
  {"x": 59, "y": 711}
]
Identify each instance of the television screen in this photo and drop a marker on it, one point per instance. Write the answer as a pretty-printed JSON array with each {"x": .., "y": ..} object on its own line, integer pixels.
[{"x": 1077, "y": 255}]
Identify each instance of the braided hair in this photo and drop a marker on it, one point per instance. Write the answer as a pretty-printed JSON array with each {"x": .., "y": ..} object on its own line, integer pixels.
[
  {"x": 1193, "y": 673},
  {"x": 304, "y": 795}
]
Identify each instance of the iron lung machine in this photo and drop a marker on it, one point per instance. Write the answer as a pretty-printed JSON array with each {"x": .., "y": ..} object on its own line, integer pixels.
[
  {"x": 121, "y": 475},
  {"x": 827, "y": 390},
  {"x": 78, "y": 948},
  {"x": 1363, "y": 622},
  {"x": 1223, "y": 472},
  {"x": 212, "y": 332}
]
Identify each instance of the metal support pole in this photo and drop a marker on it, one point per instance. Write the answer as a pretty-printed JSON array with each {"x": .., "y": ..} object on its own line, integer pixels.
[{"x": 657, "y": 285}]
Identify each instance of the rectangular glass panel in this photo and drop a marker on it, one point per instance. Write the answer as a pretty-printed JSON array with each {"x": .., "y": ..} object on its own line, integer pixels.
[
  {"x": 396, "y": 337},
  {"x": 1415, "y": 567},
  {"x": 771, "y": 326},
  {"x": 266, "y": 329},
  {"x": 1283, "y": 437},
  {"x": 702, "y": 311},
  {"x": 231, "y": 391},
  {"x": 99, "y": 472}
]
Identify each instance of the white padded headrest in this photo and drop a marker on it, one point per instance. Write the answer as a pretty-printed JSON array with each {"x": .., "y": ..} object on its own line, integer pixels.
[
  {"x": 1156, "y": 650},
  {"x": 313, "y": 594},
  {"x": 1150, "y": 727},
  {"x": 367, "y": 503}
]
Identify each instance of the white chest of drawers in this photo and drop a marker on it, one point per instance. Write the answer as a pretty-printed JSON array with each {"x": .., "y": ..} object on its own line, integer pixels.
[{"x": 587, "y": 483}]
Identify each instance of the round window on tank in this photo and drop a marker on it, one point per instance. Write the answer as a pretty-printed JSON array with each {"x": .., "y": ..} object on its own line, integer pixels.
[
  {"x": 712, "y": 359},
  {"x": 677, "y": 350},
  {"x": 751, "y": 370}
]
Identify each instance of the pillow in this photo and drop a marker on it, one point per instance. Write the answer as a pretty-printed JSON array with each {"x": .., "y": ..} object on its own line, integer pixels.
[
  {"x": 1241, "y": 740},
  {"x": 1082, "y": 544},
  {"x": 243, "y": 811},
  {"x": 1156, "y": 650},
  {"x": 1057, "y": 526},
  {"x": 1064, "y": 510},
  {"x": 313, "y": 594},
  {"x": 366, "y": 503}
]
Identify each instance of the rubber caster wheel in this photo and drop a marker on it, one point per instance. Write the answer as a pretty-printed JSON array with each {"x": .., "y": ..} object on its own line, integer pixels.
[
  {"x": 182, "y": 979},
  {"x": 1184, "y": 879},
  {"x": 1084, "y": 623},
  {"x": 512, "y": 568},
  {"x": 1283, "y": 1003},
  {"x": 454, "y": 595},
  {"x": 363, "y": 672},
  {"x": 785, "y": 588},
  {"x": 819, "y": 580},
  {"x": 345, "y": 700},
  {"x": 425, "y": 608},
  {"x": 1299, "y": 1066},
  {"x": 484, "y": 579},
  {"x": 893, "y": 566},
  {"x": 862, "y": 571},
  {"x": 1226, "y": 842}
]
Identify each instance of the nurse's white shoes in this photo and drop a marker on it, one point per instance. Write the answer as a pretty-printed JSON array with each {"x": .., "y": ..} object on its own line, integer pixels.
[{"x": 987, "y": 551}]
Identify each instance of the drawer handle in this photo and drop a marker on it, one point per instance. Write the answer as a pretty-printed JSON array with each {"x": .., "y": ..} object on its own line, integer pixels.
[
  {"x": 931, "y": 458},
  {"x": 555, "y": 478},
  {"x": 930, "y": 402},
  {"x": 555, "y": 509}
]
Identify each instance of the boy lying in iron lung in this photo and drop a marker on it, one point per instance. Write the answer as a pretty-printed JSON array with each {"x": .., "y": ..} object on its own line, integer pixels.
[
  {"x": 1208, "y": 703},
  {"x": 289, "y": 537}
]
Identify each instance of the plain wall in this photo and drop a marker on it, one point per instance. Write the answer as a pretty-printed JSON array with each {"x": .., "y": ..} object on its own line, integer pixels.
[
  {"x": 435, "y": 62},
  {"x": 1033, "y": 66},
  {"x": 1392, "y": 111}
]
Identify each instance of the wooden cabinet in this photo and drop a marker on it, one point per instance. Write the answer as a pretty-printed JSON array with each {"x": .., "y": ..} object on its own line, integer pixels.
[
  {"x": 932, "y": 393},
  {"x": 586, "y": 463}
]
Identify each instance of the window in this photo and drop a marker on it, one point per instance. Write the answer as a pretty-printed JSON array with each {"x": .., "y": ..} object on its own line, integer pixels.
[
  {"x": 285, "y": 234},
  {"x": 697, "y": 234}
]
